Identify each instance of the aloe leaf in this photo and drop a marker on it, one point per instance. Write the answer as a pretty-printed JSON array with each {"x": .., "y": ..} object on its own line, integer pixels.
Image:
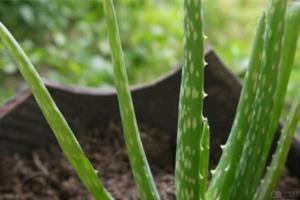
[
  {"x": 64, "y": 135},
  {"x": 223, "y": 176},
  {"x": 272, "y": 178},
  {"x": 289, "y": 45},
  {"x": 204, "y": 159},
  {"x": 137, "y": 157},
  {"x": 290, "y": 39},
  {"x": 191, "y": 105},
  {"x": 250, "y": 170}
]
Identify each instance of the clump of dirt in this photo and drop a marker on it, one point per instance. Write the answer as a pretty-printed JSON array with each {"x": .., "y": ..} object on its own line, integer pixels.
[{"x": 46, "y": 174}]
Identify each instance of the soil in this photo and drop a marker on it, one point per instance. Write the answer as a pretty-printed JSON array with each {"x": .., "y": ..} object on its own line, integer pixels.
[{"x": 46, "y": 174}]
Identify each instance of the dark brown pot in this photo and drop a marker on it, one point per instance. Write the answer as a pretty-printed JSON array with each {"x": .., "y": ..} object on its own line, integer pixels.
[{"x": 23, "y": 128}]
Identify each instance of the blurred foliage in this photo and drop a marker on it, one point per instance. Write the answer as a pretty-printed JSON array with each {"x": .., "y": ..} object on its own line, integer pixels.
[
  {"x": 66, "y": 39},
  {"x": 232, "y": 27}
]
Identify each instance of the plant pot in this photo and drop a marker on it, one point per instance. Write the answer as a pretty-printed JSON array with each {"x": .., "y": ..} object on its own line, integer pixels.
[{"x": 23, "y": 128}]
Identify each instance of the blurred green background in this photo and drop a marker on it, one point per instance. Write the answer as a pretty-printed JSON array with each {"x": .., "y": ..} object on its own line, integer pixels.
[{"x": 66, "y": 39}]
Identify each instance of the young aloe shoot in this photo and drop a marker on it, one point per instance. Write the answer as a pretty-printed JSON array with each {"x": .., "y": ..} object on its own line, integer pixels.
[
  {"x": 64, "y": 135},
  {"x": 137, "y": 157}
]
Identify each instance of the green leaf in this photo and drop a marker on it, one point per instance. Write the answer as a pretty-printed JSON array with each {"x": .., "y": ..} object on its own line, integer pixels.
[
  {"x": 204, "y": 159},
  {"x": 222, "y": 179},
  {"x": 64, "y": 135},
  {"x": 289, "y": 45},
  {"x": 137, "y": 157},
  {"x": 287, "y": 59},
  {"x": 250, "y": 169},
  {"x": 272, "y": 178},
  {"x": 191, "y": 105}
]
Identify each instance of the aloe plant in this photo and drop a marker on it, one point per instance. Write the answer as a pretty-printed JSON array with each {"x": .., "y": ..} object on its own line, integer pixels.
[
  {"x": 259, "y": 134},
  {"x": 243, "y": 161},
  {"x": 289, "y": 43},
  {"x": 222, "y": 179},
  {"x": 271, "y": 179},
  {"x": 248, "y": 173},
  {"x": 247, "y": 166}
]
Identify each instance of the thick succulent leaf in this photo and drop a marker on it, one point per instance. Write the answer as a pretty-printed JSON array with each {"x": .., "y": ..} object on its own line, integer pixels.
[
  {"x": 289, "y": 45},
  {"x": 137, "y": 157},
  {"x": 204, "y": 159},
  {"x": 224, "y": 174},
  {"x": 290, "y": 39},
  {"x": 191, "y": 105},
  {"x": 250, "y": 170},
  {"x": 272, "y": 178},
  {"x": 64, "y": 135}
]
